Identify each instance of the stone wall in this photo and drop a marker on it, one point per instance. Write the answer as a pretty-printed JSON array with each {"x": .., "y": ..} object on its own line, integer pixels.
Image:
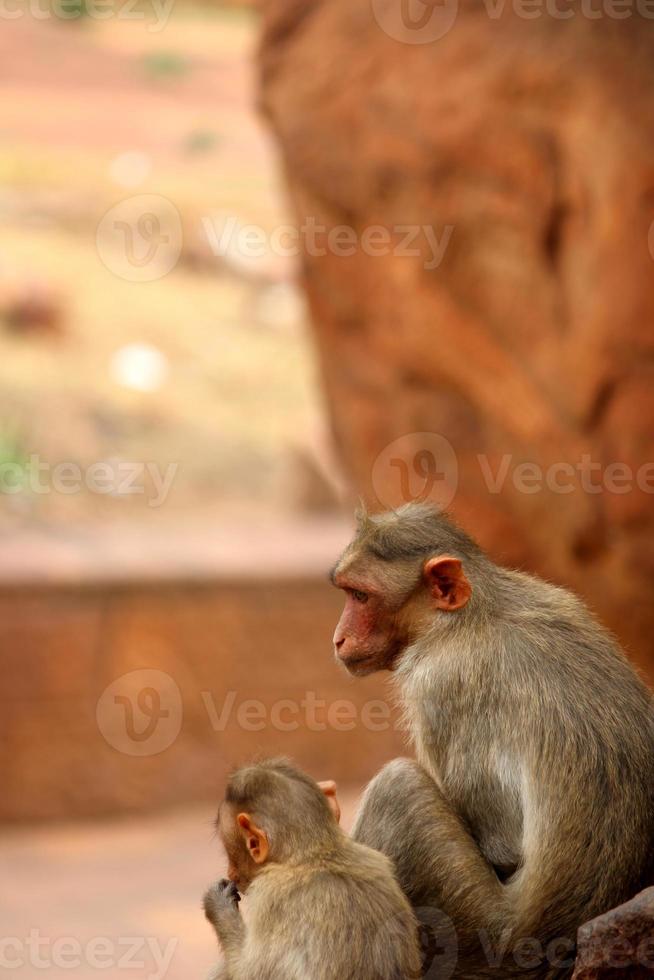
[
  {"x": 119, "y": 697},
  {"x": 522, "y": 329}
]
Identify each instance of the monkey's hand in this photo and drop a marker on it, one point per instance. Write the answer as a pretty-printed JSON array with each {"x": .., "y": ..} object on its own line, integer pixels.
[
  {"x": 221, "y": 899},
  {"x": 221, "y": 909}
]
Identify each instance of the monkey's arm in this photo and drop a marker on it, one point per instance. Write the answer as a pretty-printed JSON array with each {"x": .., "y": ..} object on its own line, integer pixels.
[
  {"x": 221, "y": 909},
  {"x": 437, "y": 862}
]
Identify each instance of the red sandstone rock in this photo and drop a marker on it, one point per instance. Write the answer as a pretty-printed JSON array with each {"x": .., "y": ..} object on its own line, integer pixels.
[
  {"x": 619, "y": 943},
  {"x": 530, "y": 138}
]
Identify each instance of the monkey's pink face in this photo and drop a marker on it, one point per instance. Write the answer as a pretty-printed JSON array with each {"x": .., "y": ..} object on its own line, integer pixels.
[
  {"x": 379, "y": 621},
  {"x": 368, "y": 637}
]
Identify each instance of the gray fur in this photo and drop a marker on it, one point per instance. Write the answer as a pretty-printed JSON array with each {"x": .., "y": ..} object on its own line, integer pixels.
[
  {"x": 323, "y": 907},
  {"x": 531, "y": 807}
]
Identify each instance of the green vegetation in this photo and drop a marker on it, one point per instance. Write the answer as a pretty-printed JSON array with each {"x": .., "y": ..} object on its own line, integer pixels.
[
  {"x": 165, "y": 64},
  {"x": 14, "y": 462}
]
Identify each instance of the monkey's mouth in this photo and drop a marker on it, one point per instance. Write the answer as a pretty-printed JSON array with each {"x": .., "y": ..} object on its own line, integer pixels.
[{"x": 357, "y": 665}]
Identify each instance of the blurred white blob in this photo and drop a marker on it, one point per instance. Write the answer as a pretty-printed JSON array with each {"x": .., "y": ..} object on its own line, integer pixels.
[
  {"x": 140, "y": 367},
  {"x": 130, "y": 169},
  {"x": 281, "y": 307},
  {"x": 243, "y": 248}
]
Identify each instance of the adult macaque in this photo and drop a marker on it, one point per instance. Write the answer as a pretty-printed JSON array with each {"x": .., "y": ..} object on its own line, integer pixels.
[
  {"x": 321, "y": 907},
  {"x": 531, "y": 807}
]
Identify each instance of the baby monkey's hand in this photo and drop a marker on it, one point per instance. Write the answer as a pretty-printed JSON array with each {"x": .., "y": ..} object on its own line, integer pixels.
[{"x": 222, "y": 897}]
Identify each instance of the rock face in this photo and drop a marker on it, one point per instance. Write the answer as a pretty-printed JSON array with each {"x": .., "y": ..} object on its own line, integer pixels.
[
  {"x": 619, "y": 943},
  {"x": 489, "y": 300}
]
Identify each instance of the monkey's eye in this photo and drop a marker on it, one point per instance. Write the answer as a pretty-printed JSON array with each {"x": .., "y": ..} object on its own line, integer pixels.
[{"x": 359, "y": 596}]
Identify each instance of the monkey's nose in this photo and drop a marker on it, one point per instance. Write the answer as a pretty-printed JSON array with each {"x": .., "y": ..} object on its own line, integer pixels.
[{"x": 339, "y": 643}]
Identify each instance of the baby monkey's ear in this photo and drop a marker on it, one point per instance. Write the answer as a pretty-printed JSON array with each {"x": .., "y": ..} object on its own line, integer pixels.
[
  {"x": 329, "y": 788},
  {"x": 256, "y": 839}
]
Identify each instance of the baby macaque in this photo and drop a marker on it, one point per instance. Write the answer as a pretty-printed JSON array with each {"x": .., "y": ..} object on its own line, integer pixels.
[{"x": 320, "y": 906}]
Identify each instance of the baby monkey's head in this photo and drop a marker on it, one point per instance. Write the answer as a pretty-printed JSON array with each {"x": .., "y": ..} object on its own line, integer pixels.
[{"x": 273, "y": 812}]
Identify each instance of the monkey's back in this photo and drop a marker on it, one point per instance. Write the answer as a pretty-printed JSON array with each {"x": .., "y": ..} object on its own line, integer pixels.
[
  {"x": 340, "y": 917},
  {"x": 597, "y": 742},
  {"x": 568, "y": 786}
]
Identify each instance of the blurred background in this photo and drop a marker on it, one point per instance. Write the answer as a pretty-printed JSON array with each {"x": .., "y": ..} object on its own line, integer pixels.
[{"x": 258, "y": 263}]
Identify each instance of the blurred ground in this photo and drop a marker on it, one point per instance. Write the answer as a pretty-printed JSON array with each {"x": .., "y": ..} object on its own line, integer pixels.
[
  {"x": 141, "y": 879},
  {"x": 95, "y": 112}
]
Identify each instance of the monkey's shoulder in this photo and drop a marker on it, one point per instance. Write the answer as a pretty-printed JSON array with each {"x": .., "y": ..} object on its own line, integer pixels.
[{"x": 333, "y": 880}]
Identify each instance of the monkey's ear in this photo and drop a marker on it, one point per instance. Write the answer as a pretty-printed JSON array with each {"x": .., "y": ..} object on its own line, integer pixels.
[
  {"x": 329, "y": 788},
  {"x": 447, "y": 582},
  {"x": 256, "y": 840}
]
